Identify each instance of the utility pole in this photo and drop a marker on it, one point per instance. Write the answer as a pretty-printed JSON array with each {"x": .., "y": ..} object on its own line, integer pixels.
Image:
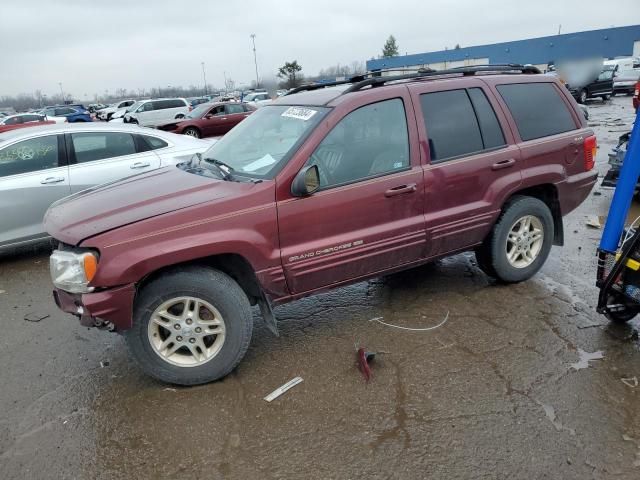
[
  {"x": 61, "y": 91},
  {"x": 255, "y": 59},
  {"x": 225, "y": 82},
  {"x": 559, "y": 28},
  {"x": 204, "y": 76}
]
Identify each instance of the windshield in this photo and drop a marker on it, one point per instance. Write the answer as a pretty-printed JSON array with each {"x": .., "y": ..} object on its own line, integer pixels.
[
  {"x": 262, "y": 143},
  {"x": 132, "y": 107},
  {"x": 199, "y": 111}
]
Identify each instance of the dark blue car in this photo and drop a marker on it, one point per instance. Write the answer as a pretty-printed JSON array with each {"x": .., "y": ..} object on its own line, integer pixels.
[{"x": 72, "y": 113}]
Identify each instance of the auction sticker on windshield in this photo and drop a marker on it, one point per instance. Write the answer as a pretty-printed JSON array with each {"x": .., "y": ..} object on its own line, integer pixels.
[{"x": 299, "y": 113}]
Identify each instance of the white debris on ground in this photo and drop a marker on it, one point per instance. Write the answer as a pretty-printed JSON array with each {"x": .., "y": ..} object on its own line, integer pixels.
[{"x": 585, "y": 358}]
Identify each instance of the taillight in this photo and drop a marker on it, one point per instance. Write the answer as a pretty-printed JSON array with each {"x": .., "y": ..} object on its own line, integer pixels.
[{"x": 590, "y": 150}]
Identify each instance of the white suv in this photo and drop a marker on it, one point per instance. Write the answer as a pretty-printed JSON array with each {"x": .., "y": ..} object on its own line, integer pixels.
[
  {"x": 151, "y": 113},
  {"x": 106, "y": 113}
]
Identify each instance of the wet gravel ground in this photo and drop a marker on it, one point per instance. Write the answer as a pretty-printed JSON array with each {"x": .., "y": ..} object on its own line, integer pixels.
[{"x": 490, "y": 394}]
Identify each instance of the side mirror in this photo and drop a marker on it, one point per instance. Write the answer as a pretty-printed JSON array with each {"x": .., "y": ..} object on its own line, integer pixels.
[{"x": 307, "y": 181}]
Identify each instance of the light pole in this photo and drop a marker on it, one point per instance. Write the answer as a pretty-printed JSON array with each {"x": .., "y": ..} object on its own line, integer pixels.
[
  {"x": 225, "y": 81},
  {"x": 61, "y": 91},
  {"x": 204, "y": 77},
  {"x": 255, "y": 59}
]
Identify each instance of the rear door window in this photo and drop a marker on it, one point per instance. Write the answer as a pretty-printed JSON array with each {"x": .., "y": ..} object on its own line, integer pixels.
[
  {"x": 492, "y": 135},
  {"x": 537, "y": 108},
  {"x": 451, "y": 124},
  {"x": 93, "y": 146},
  {"x": 234, "y": 108}
]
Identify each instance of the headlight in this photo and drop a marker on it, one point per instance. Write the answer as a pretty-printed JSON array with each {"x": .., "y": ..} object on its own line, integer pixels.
[{"x": 72, "y": 271}]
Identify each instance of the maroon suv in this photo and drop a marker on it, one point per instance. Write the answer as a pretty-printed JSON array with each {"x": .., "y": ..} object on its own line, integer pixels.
[
  {"x": 324, "y": 187},
  {"x": 210, "y": 119}
]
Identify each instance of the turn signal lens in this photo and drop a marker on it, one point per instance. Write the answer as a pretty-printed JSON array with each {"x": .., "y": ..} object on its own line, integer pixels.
[{"x": 90, "y": 264}]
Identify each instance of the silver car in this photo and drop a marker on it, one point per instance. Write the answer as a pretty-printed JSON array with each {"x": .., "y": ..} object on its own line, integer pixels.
[{"x": 39, "y": 165}]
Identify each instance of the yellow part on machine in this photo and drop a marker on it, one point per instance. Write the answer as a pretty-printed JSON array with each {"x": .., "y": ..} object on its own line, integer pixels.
[{"x": 631, "y": 263}]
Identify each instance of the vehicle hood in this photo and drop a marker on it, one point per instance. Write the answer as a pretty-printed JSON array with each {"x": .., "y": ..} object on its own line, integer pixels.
[{"x": 112, "y": 205}]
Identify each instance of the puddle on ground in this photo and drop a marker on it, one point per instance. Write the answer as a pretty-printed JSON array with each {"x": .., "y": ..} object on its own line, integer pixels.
[{"x": 585, "y": 358}]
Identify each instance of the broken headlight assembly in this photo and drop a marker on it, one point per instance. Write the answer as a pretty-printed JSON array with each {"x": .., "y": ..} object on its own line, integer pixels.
[{"x": 73, "y": 271}]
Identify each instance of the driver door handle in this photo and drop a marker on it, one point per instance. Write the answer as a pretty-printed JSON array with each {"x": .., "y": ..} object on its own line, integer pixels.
[
  {"x": 503, "y": 164},
  {"x": 139, "y": 165},
  {"x": 401, "y": 190},
  {"x": 50, "y": 180}
]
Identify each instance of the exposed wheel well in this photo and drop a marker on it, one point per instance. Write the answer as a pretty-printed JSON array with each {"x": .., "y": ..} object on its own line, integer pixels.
[
  {"x": 548, "y": 193},
  {"x": 234, "y": 265}
]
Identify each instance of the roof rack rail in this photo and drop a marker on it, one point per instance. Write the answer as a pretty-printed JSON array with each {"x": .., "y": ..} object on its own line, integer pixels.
[
  {"x": 465, "y": 71},
  {"x": 317, "y": 86}
]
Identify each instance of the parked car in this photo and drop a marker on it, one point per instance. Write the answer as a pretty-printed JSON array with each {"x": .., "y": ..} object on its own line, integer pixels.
[
  {"x": 601, "y": 87},
  {"x": 625, "y": 81},
  {"x": 636, "y": 97},
  {"x": 67, "y": 114},
  {"x": 121, "y": 112},
  {"x": 320, "y": 189},
  {"x": 22, "y": 120},
  {"x": 258, "y": 98},
  {"x": 194, "y": 102},
  {"x": 106, "y": 113},
  {"x": 210, "y": 119},
  {"x": 36, "y": 169},
  {"x": 151, "y": 113}
]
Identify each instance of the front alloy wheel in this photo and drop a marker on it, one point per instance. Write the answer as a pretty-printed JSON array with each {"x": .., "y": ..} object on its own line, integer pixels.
[
  {"x": 186, "y": 331},
  {"x": 190, "y": 326}
]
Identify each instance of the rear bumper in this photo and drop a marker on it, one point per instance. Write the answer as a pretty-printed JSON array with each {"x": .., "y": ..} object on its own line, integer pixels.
[
  {"x": 575, "y": 190},
  {"x": 111, "y": 309}
]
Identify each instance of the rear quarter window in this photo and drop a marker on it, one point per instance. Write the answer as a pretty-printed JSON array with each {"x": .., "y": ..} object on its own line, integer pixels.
[{"x": 537, "y": 108}]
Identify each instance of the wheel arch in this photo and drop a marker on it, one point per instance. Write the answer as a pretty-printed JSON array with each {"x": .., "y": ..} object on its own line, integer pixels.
[
  {"x": 547, "y": 193},
  {"x": 232, "y": 264}
]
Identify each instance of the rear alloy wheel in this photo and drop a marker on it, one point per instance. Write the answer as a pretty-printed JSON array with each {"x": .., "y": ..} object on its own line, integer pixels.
[
  {"x": 192, "y": 132},
  {"x": 520, "y": 241},
  {"x": 583, "y": 96},
  {"x": 190, "y": 326}
]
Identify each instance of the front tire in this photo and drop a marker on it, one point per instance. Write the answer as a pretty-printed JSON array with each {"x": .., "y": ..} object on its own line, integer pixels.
[
  {"x": 192, "y": 132},
  {"x": 190, "y": 326},
  {"x": 519, "y": 242},
  {"x": 582, "y": 98},
  {"x": 604, "y": 98}
]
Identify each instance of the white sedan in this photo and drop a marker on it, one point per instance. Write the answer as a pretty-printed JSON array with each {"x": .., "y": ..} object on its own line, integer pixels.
[{"x": 39, "y": 165}]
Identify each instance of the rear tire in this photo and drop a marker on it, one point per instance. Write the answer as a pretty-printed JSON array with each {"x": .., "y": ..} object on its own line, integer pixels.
[
  {"x": 172, "y": 318},
  {"x": 519, "y": 242},
  {"x": 604, "y": 98},
  {"x": 192, "y": 132},
  {"x": 621, "y": 316}
]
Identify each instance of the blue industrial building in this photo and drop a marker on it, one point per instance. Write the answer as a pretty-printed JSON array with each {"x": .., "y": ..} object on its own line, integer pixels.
[{"x": 607, "y": 43}]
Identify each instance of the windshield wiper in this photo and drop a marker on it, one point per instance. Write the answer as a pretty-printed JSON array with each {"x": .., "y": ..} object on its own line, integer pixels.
[{"x": 221, "y": 166}]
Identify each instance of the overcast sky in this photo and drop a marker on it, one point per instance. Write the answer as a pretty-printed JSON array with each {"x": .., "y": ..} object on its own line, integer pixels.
[{"x": 96, "y": 45}]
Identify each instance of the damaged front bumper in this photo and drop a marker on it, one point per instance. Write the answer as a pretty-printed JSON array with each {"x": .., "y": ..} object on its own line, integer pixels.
[{"x": 110, "y": 309}]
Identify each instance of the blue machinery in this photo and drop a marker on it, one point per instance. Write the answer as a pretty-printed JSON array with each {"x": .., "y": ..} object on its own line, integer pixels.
[{"x": 619, "y": 260}]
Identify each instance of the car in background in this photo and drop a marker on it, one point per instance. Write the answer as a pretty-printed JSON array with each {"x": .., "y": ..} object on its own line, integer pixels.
[
  {"x": 636, "y": 97},
  {"x": 258, "y": 98},
  {"x": 601, "y": 87},
  {"x": 94, "y": 107},
  {"x": 43, "y": 164},
  {"x": 106, "y": 113},
  {"x": 118, "y": 115},
  {"x": 195, "y": 101},
  {"x": 22, "y": 120},
  {"x": 151, "y": 113},
  {"x": 67, "y": 114},
  {"x": 625, "y": 81},
  {"x": 210, "y": 119}
]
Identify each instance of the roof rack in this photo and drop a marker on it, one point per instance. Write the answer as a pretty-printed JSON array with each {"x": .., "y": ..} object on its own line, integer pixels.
[
  {"x": 375, "y": 80},
  {"x": 465, "y": 71},
  {"x": 317, "y": 86}
]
